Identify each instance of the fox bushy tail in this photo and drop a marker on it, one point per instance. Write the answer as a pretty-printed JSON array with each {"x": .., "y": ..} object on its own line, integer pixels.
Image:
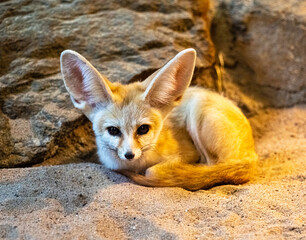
[{"x": 196, "y": 176}]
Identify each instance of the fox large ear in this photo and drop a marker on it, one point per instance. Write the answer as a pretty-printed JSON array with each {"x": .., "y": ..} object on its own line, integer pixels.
[
  {"x": 166, "y": 86},
  {"x": 86, "y": 86}
]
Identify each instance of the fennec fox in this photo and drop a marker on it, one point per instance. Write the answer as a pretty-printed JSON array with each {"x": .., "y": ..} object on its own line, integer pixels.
[{"x": 177, "y": 136}]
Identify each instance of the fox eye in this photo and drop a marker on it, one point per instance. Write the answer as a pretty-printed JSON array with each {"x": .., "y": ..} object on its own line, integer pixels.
[
  {"x": 114, "y": 131},
  {"x": 143, "y": 129}
]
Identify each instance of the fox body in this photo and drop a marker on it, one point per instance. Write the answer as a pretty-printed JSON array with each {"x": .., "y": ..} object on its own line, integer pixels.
[{"x": 159, "y": 132}]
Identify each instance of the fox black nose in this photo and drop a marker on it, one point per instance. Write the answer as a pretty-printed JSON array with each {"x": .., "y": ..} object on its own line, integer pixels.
[{"x": 129, "y": 155}]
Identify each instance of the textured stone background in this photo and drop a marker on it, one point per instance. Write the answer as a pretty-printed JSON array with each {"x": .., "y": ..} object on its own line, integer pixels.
[
  {"x": 263, "y": 46},
  {"x": 125, "y": 40}
]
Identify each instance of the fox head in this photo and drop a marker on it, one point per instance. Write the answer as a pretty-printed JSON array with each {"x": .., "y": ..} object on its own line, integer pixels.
[{"x": 127, "y": 119}]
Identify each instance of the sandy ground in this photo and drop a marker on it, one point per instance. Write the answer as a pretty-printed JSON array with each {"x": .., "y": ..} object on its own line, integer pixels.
[{"x": 86, "y": 201}]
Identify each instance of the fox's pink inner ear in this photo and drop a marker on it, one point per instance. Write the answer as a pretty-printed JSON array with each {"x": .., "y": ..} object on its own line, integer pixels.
[
  {"x": 73, "y": 77},
  {"x": 167, "y": 85},
  {"x": 83, "y": 82}
]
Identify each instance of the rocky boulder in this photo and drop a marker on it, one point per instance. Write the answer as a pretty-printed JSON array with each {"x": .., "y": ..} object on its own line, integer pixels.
[
  {"x": 125, "y": 40},
  {"x": 264, "y": 48}
]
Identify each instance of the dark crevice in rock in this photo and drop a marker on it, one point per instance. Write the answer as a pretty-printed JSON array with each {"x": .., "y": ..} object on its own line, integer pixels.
[
  {"x": 67, "y": 145},
  {"x": 24, "y": 83},
  {"x": 46, "y": 50},
  {"x": 143, "y": 75},
  {"x": 152, "y": 44},
  {"x": 181, "y": 25},
  {"x": 76, "y": 145},
  {"x": 37, "y": 158},
  {"x": 205, "y": 77},
  {"x": 21, "y": 86},
  {"x": 147, "y": 7}
]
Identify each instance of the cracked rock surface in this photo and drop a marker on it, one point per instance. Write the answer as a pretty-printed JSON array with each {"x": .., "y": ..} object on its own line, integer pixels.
[{"x": 264, "y": 48}]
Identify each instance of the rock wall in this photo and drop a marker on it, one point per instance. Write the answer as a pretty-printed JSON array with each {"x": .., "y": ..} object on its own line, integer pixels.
[
  {"x": 125, "y": 40},
  {"x": 264, "y": 48}
]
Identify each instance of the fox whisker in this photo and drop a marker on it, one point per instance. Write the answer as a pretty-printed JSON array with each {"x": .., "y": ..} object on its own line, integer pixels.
[{"x": 148, "y": 147}]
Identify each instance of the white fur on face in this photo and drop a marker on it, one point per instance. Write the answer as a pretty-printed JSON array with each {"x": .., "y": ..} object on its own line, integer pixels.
[
  {"x": 128, "y": 145},
  {"x": 127, "y": 119}
]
